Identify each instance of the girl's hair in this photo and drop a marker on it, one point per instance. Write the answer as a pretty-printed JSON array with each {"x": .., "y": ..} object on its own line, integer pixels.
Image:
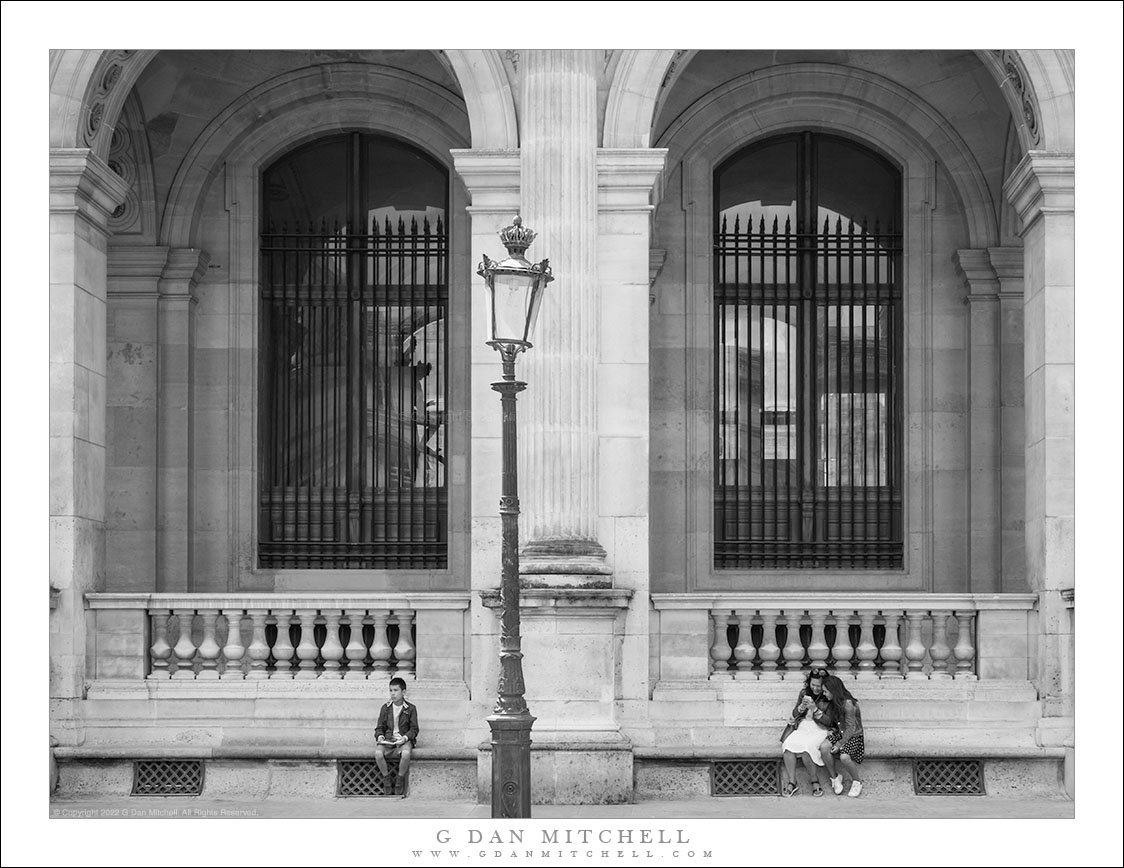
[
  {"x": 839, "y": 694},
  {"x": 813, "y": 673}
]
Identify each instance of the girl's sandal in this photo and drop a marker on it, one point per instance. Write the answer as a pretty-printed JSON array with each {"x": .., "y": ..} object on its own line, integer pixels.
[
  {"x": 817, "y": 790},
  {"x": 789, "y": 790}
]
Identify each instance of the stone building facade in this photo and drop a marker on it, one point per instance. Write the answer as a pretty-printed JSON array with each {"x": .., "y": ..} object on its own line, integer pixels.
[{"x": 232, "y": 586}]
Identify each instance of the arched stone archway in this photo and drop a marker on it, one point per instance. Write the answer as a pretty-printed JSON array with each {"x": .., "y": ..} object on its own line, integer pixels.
[
  {"x": 387, "y": 101},
  {"x": 1045, "y": 81},
  {"x": 88, "y": 89}
]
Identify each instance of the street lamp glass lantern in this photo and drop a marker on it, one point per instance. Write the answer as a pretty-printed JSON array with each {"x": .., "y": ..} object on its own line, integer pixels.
[{"x": 515, "y": 289}]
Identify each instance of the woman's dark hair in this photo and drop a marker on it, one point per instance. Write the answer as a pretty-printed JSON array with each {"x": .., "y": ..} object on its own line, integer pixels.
[
  {"x": 813, "y": 673},
  {"x": 839, "y": 694}
]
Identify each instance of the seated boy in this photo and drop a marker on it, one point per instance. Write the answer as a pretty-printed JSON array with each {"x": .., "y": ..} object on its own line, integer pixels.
[{"x": 395, "y": 736}]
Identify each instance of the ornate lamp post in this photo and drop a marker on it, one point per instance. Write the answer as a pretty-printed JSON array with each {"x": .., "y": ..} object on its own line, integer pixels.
[{"x": 515, "y": 288}]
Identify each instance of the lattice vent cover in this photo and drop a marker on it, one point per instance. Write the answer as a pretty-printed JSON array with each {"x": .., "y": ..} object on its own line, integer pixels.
[
  {"x": 167, "y": 778},
  {"x": 941, "y": 777},
  {"x": 745, "y": 778},
  {"x": 362, "y": 778}
]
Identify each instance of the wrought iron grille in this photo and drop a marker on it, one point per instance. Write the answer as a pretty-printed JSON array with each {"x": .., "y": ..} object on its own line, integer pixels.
[
  {"x": 354, "y": 396},
  {"x": 745, "y": 778},
  {"x": 808, "y": 438},
  {"x": 167, "y": 778},
  {"x": 361, "y": 778},
  {"x": 948, "y": 777}
]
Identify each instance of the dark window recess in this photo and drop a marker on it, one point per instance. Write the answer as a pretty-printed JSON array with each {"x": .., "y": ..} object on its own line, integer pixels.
[
  {"x": 361, "y": 778},
  {"x": 807, "y": 358},
  {"x": 354, "y": 312}
]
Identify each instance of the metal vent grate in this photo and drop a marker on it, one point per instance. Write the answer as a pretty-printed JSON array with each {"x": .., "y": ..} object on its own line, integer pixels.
[
  {"x": 167, "y": 778},
  {"x": 940, "y": 777},
  {"x": 362, "y": 778},
  {"x": 745, "y": 778}
]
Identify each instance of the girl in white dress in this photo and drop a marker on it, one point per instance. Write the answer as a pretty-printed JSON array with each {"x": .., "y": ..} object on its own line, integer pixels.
[{"x": 809, "y": 736}]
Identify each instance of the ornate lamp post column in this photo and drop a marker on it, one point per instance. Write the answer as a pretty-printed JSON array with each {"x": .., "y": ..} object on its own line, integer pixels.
[{"x": 515, "y": 289}]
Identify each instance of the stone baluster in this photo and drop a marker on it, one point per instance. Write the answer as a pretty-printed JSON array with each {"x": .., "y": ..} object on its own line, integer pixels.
[
  {"x": 283, "y": 645},
  {"x": 866, "y": 651},
  {"x": 160, "y": 650},
  {"x": 258, "y": 652},
  {"x": 744, "y": 651},
  {"x": 209, "y": 649},
  {"x": 380, "y": 648},
  {"x": 185, "y": 647},
  {"x": 964, "y": 651},
  {"x": 891, "y": 646},
  {"x": 404, "y": 650},
  {"x": 306, "y": 648},
  {"x": 793, "y": 647},
  {"x": 356, "y": 648},
  {"x": 233, "y": 650},
  {"x": 720, "y": 644},
  {"x": 332, "y": 652},
  {"x": 939, "y": 652},
  {"x": 818, "y": 650},
  {"x": 842, "y": 650},
  {"x": 915, "y": 648},
  {"x": 769, "y": 650}
]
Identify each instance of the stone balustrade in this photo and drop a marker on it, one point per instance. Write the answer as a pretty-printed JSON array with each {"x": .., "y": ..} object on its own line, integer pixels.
[
  {"x": 864, "y": 636},
  {"x": 236, "y": 637}
]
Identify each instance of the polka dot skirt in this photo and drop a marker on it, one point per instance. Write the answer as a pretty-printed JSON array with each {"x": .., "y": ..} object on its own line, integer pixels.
[{"x": 854, "y": 746}]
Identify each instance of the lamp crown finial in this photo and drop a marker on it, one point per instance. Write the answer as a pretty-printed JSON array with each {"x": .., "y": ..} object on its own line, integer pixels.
[{"x": 516, "y": 237}]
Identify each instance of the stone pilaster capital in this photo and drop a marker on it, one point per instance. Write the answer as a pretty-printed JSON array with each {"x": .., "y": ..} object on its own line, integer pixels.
[
  {"x": 1007, "y": 262},
  {"x": 186, "y": 266},
  {"x": 492, "y": 178},
  {"x": 81, "y": 182},
  {"x": 629, "y": 179},
  {"x": 134, "y": 270},
  {"x": 1042, "y": 183},
  {"x": 977, "y": 270}
]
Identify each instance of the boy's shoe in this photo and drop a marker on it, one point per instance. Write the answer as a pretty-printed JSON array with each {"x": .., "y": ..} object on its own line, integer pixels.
[
  {"x": 856, "y": 789},
  {"x": 400, "y": 787},
  {"x": 837, "y": 785},
  {"x": 388, "y": 785}
]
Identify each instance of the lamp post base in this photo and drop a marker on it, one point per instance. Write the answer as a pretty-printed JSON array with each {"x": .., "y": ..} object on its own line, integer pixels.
[{"x": 511, "y": 764}]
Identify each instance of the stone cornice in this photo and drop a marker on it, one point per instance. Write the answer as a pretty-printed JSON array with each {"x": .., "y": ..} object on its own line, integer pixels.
[
  {"x": 492, "y": 178},
  {"x": 975, "y": 266},
  {"x": 629, "y": 179},
  {"x": 134, "y": 263},
  {"x": 1007, "y": 262},
  {"x": 186, "y": 266},
  {"x": 81, "y": 181},
  {"x": 1042, "y": 183}
]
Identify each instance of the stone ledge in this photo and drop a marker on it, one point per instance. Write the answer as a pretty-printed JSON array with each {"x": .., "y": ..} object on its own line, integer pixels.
[
  {"x": 707, "y": 754},
  {"x": 256, "y": 752}
]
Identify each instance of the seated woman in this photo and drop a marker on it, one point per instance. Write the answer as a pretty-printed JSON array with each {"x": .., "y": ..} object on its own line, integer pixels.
[
  {"x": 847, "y": 739},
  {"x": 812, "y": 718}
]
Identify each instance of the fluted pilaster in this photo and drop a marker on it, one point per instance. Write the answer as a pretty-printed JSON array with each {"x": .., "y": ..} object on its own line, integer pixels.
[{"x": 559, "y": 192}]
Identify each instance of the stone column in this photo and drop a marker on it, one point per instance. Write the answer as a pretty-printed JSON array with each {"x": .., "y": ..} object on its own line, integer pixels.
[
  {"x": 984, "y": 420},
  {"x": 83, "y": 193},
  {"x": 175, "y": 513},
  {"x": 1042, "y": 189},
  {"x": 132, "y": 398},
  {"x": 558, "y": 467},
  {"x": 1008, "y": 265}
]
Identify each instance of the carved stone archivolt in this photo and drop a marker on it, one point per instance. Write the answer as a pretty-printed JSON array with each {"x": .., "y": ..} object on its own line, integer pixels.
[
  {"x": 1020, "y": 83},
  {"x": 112, "y": 65}
]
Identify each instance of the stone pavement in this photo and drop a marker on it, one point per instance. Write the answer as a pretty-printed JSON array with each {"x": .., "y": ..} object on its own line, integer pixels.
[{"x": 761, "y": 807}]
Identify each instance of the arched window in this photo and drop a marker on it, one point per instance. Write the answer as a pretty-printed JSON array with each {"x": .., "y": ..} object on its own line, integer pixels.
[
  {"x": 808, "y": 346},
  {"x": 354, "y": 297}
]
